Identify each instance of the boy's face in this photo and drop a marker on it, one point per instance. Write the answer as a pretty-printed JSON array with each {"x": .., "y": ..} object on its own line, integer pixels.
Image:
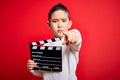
[{"x": 59, "y": 23}]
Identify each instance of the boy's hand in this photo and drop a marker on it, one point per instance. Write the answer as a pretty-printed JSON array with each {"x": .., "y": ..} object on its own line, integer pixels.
[
  {"x": 71, "y": 37},
  {"x": 31, "y": 64}
]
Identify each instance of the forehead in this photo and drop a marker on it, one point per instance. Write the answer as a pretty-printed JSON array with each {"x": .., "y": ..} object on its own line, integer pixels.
[{"x": 59, "y": 14}]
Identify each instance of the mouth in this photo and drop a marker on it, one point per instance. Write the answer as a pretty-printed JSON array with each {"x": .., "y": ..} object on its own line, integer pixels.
[{"x": 60, "y": 30}]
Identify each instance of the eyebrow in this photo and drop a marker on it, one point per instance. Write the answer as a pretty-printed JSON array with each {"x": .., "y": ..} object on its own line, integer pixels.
[
  {"x": 58, "y": 19},
  {"x": 54, "y": 19}
]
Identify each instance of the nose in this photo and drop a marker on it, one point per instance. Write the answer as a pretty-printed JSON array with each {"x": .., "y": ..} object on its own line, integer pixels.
[{"x": 59, "y": 24}]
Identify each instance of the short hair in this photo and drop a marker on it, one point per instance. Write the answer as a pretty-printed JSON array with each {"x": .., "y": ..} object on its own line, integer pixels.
[{"x": 56, "y": 8}]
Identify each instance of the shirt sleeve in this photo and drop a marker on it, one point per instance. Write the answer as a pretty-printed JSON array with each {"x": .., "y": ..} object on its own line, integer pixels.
[
  {"x": 37, "y": 73},
  {"x": 76, "y": 46}
]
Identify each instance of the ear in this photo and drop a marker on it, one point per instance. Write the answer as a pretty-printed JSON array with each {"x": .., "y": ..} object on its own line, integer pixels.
[
  {"x": 48, "y": 24},
  {"x": 70, "y": 24}
]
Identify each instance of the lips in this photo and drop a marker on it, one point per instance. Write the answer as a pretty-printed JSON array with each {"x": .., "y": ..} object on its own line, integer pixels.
[{"x": 60, "y": 30}]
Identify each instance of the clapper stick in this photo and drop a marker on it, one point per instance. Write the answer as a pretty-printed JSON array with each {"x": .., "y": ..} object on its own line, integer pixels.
[{"x": 48, "y": 58}]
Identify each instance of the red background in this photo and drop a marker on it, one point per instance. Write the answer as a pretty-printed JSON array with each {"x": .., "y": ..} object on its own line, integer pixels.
[{"x": 24, "y": 21}]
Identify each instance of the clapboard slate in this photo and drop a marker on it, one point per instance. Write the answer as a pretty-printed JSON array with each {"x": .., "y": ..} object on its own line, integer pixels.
[{"x": 48, "y": 58}]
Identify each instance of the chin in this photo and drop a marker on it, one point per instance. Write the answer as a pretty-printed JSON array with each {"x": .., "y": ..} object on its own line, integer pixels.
[{"x": 59, "y": 35}]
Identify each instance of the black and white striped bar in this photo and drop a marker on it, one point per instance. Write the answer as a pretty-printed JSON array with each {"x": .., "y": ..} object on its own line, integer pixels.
[
  {"x": 45, "y": 41},
  {"x": 48, "y": 58}
]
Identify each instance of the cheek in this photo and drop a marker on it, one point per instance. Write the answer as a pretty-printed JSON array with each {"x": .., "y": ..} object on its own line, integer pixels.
[
  {"x": 66, "y": 25},
  {"x": 54, "y": 25},
  {"x": 53, "y": 28}
]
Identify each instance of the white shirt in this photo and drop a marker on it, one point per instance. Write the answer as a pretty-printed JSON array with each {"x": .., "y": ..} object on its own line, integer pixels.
[{"x": 69, "y": 62}]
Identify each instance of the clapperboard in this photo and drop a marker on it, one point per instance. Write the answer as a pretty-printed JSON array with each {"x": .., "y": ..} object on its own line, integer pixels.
[{"x": 48, "y": 58}]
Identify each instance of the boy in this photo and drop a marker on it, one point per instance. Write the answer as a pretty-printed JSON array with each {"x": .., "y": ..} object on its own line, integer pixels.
[{"x": 60, "y": 23}]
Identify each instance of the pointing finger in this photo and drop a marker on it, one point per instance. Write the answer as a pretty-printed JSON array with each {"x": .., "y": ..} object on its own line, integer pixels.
[{"x": 65, "y": 33}]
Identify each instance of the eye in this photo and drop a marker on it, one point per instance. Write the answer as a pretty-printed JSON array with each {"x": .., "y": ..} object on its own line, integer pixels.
[
  {"x": 64, "y": 20},
  {"x": 54, "y": 21}
]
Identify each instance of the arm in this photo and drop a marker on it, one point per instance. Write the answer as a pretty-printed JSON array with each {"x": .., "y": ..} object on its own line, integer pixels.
[
  {"x": 78, "y": 40},
  {"x": 74, "y": 39}
]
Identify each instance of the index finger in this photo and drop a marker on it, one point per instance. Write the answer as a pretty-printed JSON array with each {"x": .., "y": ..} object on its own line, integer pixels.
[{"x": 65, "y": 33}]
